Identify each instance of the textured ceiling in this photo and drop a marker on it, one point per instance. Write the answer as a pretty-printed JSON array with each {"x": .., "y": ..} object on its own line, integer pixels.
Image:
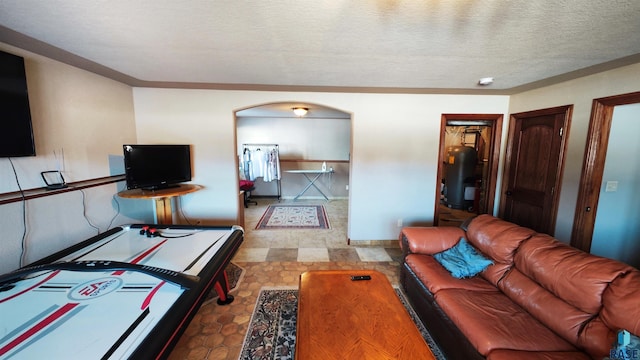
[{"x": 374, "y": 45}]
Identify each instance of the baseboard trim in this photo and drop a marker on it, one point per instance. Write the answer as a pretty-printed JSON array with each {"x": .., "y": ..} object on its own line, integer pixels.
[
  {"x": 315, "y": 198},
  {"x": 376, "y": 243}
]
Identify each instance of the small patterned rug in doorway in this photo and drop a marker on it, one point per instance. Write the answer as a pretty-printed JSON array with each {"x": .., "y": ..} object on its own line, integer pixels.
[{"x": 294, "y": 217}]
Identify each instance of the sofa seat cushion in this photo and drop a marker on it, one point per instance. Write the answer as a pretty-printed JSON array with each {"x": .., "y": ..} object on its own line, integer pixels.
[
  {"x": 491, "y": 321},
  {"x": 563, "y": 318},
  {"x": 537, "y": 355},
  {"x": 435, "y": 277}
]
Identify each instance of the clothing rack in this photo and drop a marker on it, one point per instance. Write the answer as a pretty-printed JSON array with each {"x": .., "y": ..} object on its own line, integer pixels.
[{"x": 274, "y": 163}]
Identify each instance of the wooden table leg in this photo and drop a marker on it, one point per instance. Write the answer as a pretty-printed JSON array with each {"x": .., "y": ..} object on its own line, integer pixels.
[{"x": 163, "y": 211}]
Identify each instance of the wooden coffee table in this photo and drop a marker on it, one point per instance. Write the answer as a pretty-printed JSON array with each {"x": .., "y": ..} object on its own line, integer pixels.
[{"x": 339, "y": 318}]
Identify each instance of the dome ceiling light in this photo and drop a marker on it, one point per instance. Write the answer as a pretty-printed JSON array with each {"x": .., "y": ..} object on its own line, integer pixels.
[{"x": 300, "y": 111}]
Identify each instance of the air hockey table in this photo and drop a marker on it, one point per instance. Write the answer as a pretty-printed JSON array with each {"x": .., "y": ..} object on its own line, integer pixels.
[{"x": 128, "y": 293}]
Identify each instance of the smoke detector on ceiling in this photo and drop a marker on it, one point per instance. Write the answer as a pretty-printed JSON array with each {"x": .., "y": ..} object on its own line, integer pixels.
[{"x": 485, "y": 81}]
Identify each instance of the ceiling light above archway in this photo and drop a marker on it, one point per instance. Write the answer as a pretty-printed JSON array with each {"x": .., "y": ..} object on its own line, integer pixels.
[{"x": 300, "y": 111}]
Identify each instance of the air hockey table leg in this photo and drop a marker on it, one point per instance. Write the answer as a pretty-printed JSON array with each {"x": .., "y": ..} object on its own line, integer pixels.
[{"x": 222, "y": 288}]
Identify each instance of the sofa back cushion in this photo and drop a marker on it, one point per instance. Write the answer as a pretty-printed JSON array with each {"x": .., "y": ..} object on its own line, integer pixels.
[
  {"x": 621, "y": 302},
  {"x": 572, "y": 275},
  {"x": 498, "y": 240},
  {"x": 429, "y": 240},
  {"x": 565, "y": 289}
]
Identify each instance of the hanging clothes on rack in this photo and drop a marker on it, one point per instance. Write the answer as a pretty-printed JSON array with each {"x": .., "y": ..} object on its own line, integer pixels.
[
  {"x": 261, "y": 161},
  {"x": 257, "y": 163},
  {"x": 272, "y": 166},
  {"x": 245, "y": 165}
]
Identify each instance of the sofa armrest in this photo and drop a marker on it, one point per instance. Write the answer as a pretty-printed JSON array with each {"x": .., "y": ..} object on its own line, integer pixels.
[{"x": 429, "y": 240}]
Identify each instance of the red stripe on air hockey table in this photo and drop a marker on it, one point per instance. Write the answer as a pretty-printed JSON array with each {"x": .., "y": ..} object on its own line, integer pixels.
[
  {"x": 142, "y": 256},
  {"x": 31, "y": 287},
  {"x": 37, "y": 327}
]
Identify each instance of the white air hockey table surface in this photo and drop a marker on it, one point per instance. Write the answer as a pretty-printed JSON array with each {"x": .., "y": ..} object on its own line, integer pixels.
[{"x": 123, "y": 294}]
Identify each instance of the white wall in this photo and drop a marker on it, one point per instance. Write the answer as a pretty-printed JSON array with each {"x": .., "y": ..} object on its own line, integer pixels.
[
  {"x": 88, "y": 118},
  {"x": 315, "y": 140},
  {"x": 579, "y": 92},
  {"x": 616, "y": 233},
  {"x": 298, "y": 138},
  {"x": 394, "y": 158}
]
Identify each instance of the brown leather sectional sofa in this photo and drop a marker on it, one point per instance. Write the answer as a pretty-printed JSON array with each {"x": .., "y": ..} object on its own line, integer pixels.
[{"x": 541, "y": 299}]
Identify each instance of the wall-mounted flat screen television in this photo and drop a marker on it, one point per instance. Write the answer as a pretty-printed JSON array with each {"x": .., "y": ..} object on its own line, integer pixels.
[
  {"x": 152, "y": 167},
  {"x": 16, "y": 133}
]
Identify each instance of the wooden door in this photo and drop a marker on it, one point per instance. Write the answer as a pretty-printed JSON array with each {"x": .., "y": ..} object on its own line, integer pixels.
[{"x": 533, "y": 170}]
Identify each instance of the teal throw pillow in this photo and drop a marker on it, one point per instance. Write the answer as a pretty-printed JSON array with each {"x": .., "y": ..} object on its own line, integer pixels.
[{"x": 462, "y": 260}]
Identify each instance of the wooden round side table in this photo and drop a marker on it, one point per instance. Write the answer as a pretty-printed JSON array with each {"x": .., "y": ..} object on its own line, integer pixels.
[{"x": 162, "y": 198}]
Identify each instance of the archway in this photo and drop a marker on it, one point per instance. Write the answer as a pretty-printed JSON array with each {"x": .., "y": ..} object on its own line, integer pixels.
[{"x": 320, "y": 138}]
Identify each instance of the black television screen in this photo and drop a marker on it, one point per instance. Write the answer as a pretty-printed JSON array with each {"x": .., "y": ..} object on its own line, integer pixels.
[
  {"x": 156, "y": 166},
  {"x": 16, "y": 133}
]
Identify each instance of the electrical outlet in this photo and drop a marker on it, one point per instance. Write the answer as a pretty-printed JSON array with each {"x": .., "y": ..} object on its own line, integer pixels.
[
  {"x": 399, "y": 222},
  {"x": 347, "y": 187}
]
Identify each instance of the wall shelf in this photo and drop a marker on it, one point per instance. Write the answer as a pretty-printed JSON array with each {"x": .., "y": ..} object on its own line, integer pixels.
[{"x": 29, "y": 194}]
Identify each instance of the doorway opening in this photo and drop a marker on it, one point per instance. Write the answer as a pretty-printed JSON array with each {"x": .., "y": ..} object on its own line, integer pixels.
[
  {"x": 467, "y": 167},
  {"x": 314, "y": 152},
  {"x": 593, "y": 168}
]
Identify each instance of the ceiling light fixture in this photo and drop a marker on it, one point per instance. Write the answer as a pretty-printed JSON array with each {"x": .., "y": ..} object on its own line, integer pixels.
[
  {"x": 300, "y": 111},
  {"x": 485, "y": 81}
]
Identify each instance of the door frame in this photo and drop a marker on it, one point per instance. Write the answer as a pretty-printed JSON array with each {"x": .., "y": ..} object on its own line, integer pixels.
[
  {"x": 593, "y": 167},
  {"x": 566, "y": 111},
  {"x": 288, "y": 105},
  {"x": 494, "y": 155}
]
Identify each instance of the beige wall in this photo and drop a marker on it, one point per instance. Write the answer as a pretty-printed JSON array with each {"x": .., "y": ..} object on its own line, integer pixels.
[
  {"x": 580, "y": 93},
  {"x": 79, "y": 119},
  {"x": 87, "y": 118},
  {"x": 394, "y": 148}
]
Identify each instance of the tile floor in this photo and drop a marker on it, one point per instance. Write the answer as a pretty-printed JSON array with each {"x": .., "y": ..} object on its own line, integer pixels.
[
  {"x": 277, "y": 258},
  {"x": 307, "y": 245}
]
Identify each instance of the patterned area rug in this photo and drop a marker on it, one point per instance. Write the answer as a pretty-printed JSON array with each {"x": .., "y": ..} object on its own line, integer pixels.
[
  {"x": 272, "y": 329},
  {"x": 294, "y": 217}
]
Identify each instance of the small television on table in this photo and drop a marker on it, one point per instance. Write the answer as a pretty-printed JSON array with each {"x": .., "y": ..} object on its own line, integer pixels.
[{"x": 153, "y": 167}]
